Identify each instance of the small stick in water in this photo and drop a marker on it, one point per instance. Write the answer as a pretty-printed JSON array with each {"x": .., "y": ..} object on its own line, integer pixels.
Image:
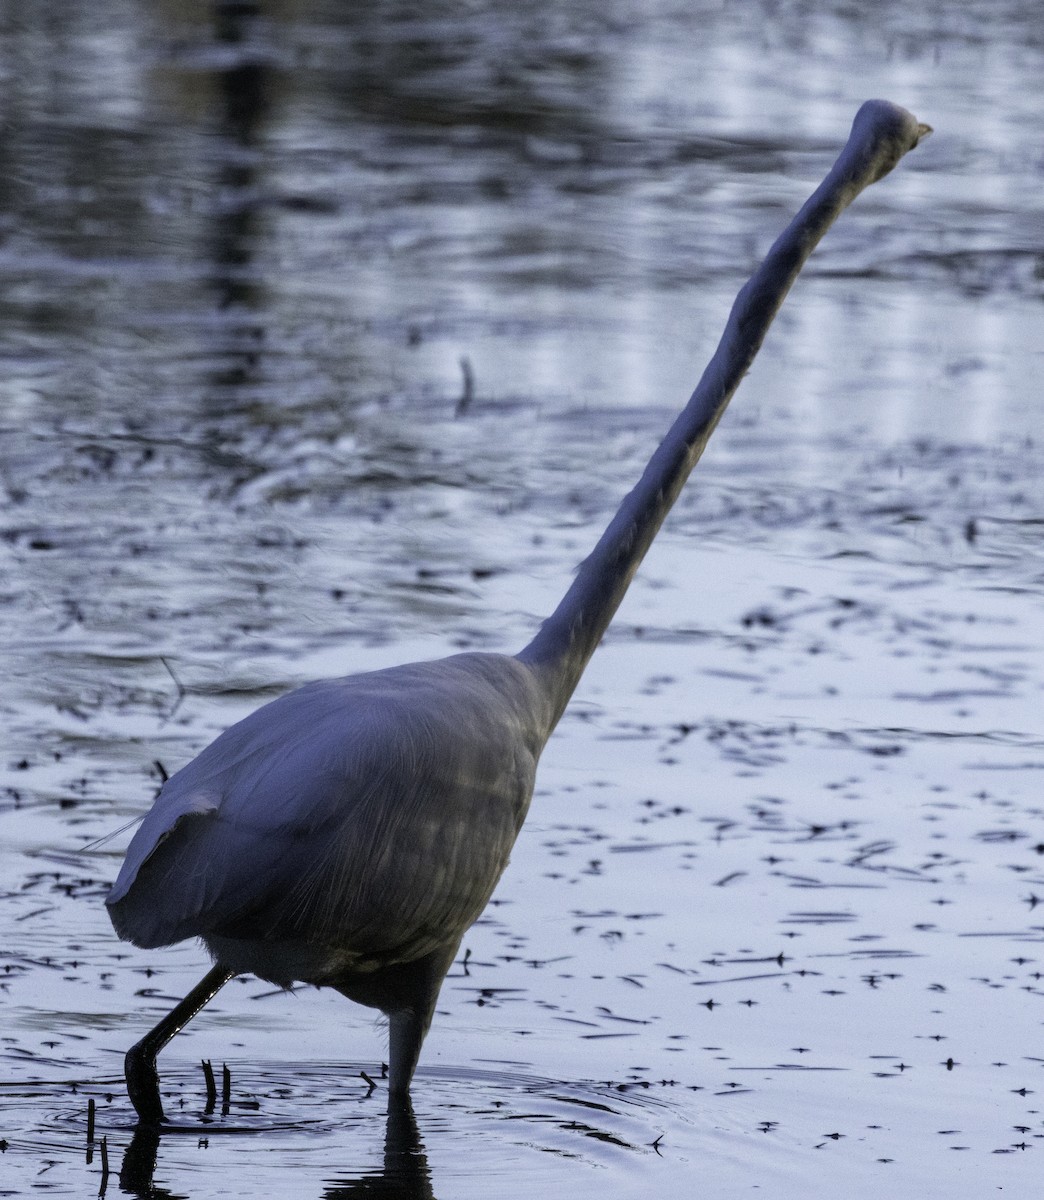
[{"x": 208, "y": 1076}]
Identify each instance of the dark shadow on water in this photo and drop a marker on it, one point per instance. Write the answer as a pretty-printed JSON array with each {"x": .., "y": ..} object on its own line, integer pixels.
[{"x": 243, "y": 92}]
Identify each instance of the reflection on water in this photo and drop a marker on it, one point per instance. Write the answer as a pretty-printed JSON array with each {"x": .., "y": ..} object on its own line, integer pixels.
[
  {"x": 520, "y": 1117},
  {"x": 778, "y": 897},
  {"x": 404, "y": 1173}
]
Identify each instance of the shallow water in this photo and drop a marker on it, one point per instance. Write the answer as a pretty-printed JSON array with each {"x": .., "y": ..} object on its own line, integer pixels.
[{"x": 774, "y": 921}]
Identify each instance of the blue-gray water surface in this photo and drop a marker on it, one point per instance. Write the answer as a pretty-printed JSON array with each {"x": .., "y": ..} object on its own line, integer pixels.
[{"x": 331, "y": 336}]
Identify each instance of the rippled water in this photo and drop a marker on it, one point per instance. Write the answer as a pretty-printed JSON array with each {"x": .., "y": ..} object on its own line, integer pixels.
[{"x": 773, "y": 922}]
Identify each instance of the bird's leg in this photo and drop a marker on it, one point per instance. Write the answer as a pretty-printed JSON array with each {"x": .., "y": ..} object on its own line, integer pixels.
[
  {"x": 409, "y": 1025},
  {"x": 405, "y": 1037},
  {"x": 140, "y": 1064}
]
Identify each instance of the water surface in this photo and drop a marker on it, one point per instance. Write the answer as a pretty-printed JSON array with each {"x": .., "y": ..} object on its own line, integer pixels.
[{"x": 774, "y": 921}]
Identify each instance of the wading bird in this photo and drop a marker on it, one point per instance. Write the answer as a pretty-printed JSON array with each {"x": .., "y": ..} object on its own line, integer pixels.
[{"x": 347, "y": 834}]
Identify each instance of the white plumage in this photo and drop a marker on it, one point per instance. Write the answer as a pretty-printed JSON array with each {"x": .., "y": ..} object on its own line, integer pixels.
[{"x": 363, "y": 816}]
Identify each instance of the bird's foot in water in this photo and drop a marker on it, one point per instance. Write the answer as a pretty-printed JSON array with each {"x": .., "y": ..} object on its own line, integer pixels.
[{"x": 139, "y": 1067}]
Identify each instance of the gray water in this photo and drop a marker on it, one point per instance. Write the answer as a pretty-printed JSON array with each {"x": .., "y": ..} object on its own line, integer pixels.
[{"x": 773, "y": 925}]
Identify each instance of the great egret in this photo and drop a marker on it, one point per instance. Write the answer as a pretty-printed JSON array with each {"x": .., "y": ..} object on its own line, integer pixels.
[{"x": 347, "y": 834}]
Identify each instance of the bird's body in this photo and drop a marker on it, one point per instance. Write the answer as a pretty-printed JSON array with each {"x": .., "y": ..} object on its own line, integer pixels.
[
  {"x": 349, "y": 833},
  {"x": 351, "y": 825}
]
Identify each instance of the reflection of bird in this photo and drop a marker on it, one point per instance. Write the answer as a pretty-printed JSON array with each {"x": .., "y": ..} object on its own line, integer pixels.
[
  {"x": 403, "y": 1175},
  {"x": 347, "y": 834}
]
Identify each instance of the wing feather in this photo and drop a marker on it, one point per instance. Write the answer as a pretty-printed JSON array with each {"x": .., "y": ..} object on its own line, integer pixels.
[{"x": 373, "y": 813}]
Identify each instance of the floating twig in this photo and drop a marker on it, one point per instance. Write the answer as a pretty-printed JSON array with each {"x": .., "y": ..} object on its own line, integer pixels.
[
  {"x": 466, "y": 397},
  {"x": 181, "y": 692}
]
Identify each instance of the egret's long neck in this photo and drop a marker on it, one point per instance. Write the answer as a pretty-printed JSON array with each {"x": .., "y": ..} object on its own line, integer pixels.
[{"x": 881, "y": 134}]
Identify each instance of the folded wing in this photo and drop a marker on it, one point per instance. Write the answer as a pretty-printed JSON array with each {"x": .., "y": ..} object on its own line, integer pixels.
[{"x": 374, "y": 814}]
